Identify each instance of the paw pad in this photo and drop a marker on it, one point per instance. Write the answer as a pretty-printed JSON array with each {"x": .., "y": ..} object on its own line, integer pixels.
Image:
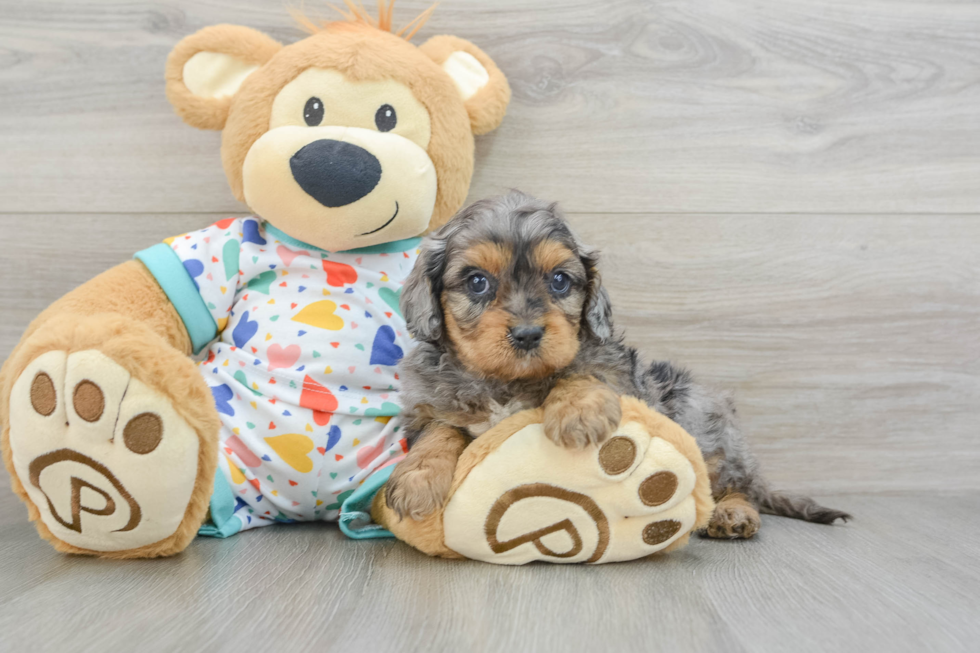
[
  {"x": 617, "y": 455},
  {"x": 142, "y": 434},
  {"x": 88, "y": 400},
  {"x": 657, "y": 489},
  {"x": 44, "y": 399},
  {"x": 660, "y": 531}
]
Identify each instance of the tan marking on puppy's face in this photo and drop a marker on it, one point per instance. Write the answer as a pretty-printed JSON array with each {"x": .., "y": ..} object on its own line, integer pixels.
[
  {"x": 551, "y": 255},
  {"x": 495, "y": 293},
  {"x": 489, "y": 257}
]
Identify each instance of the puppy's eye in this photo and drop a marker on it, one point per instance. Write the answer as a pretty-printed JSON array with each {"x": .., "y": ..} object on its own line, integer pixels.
[
  {"x": 385, "y": 118},
  {"x": 313, "y": 112},
  {"x": 477, "y": 284},
  {"x": 560, "y": 283}
]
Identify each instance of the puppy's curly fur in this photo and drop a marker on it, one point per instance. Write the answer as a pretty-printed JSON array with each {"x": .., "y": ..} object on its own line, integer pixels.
[{"x": 510, "y": 313}]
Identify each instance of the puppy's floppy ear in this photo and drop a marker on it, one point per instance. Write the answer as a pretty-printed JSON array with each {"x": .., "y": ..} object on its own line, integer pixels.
[
  {"x": 206, "y": 69},
  {"x": 597, "y": 311},
  {"x": 420, "y": 295},
  {"x": 480, "y": 83}
]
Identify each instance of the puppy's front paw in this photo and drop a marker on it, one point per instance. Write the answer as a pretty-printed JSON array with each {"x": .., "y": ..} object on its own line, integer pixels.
[
  {"x": 418, "y": 490},
  {"x": 581, "y": 412}
]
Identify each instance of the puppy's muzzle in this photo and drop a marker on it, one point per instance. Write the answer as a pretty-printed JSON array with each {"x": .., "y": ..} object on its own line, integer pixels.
[
  {"x": 526, "y": 338},
  {"x": 335, "y": 173}
]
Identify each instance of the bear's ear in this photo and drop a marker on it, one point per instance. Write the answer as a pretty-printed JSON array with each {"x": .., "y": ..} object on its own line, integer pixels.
[
  {"x": 206, "y": 69},
  {"x": 482, "y": 86}
]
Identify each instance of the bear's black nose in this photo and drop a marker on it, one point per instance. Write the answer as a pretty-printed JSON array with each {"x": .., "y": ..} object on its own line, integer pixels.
[{"x": 335, "y": 173}]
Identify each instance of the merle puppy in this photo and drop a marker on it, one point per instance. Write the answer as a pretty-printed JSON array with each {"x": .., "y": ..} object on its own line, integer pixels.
[{"x": 509, "y": 313}]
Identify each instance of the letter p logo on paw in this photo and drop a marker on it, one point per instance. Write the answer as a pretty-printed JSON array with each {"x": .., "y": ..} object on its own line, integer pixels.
[{"x": 78, "y": 502}]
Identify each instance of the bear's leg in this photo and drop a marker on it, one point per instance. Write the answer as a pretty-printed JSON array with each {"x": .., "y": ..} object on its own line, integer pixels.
[
  {"x": 517, "y": 496},
  {"x": 110, "y": 435}
]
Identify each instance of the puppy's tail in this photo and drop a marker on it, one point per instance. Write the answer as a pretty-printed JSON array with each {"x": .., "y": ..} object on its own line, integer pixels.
[{"x": 795, "y": 507}]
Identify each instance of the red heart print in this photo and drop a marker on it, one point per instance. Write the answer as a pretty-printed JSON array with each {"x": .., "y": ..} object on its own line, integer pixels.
[
  {"x": 322, "y": 418},
  {"x": 319, "y": 398},
  {"x": 339, "y": 274}
]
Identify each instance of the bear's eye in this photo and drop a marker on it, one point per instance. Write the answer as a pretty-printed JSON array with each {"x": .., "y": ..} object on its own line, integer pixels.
[
  {"x": 385, "y": 118},
  {"x": 313, "y": 112}
]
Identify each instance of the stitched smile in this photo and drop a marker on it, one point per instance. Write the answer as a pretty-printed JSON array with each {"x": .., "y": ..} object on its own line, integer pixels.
[{"x": 390, "y": 220}]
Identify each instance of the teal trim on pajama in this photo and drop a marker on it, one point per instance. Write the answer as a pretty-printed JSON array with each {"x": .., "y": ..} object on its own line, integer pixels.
[{"x": 167, "y": 268}]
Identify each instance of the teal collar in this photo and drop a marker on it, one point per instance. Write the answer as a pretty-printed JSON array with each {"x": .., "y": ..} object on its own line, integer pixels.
[{"x": 381, "y": 248}]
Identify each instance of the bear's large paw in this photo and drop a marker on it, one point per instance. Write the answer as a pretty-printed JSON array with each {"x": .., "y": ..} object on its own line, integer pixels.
[
  {"x": 531, "y": 499},
  {"x": 105, "y": 459}
]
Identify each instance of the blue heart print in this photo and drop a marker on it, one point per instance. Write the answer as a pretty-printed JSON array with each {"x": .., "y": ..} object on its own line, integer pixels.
[
  {"x": 222, "y": 393},
  {"x": 333, "y": 437},
  {"x": 250, "y": 233},
  {"x": 244, "y": 330},
  {"x": 384, "y": 351},
  {"x": 194, "y": 268}
]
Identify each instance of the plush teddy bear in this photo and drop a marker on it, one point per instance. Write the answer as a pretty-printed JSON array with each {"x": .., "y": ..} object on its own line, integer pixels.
[{"x": 347, "y": 145}]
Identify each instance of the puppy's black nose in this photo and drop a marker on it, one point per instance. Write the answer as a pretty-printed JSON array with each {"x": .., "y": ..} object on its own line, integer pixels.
[
  {"x": 526, "y": 338},
  {"x": 335, "y": 173}
]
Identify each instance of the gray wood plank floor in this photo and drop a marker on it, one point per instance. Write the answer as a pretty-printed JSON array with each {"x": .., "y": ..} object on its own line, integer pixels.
[
  {"x": 903, "y": 577},
  {"x": 786, "y": 195}
]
